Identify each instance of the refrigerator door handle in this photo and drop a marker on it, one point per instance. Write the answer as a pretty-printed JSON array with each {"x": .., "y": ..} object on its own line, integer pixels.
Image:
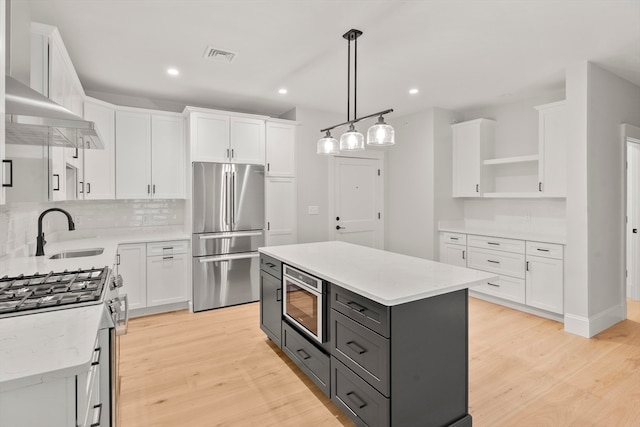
[
  {"x": 230, "y": 236},
  {"x": 226, "y": 196},
  {"x": 229, "y": 257},
  {"x": 233, "y": 198}
]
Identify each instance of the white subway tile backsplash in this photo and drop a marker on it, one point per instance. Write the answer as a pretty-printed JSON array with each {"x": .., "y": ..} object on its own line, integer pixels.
[{"x": 18, "y": 222}]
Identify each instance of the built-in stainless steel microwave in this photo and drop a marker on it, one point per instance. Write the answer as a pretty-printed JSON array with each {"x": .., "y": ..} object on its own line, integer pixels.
[{"x": 304, "y": 303}]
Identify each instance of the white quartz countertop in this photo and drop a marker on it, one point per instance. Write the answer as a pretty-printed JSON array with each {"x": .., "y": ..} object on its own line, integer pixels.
[
  {"x": 37, "y": 347},
  {"x": 71, "y": 241},
  {"x": 385, "y": 277},
  {"x": 533, "y": 236}
]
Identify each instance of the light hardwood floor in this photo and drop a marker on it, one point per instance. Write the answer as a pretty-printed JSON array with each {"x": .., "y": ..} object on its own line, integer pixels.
[{"x": 217, "y": 368}]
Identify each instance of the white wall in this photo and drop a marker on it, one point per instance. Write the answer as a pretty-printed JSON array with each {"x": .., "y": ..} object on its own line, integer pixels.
[
  {"x": 312, "y": 173},
  {"x": 598, "y": 102},
  {"x": 418, "y": 183}
]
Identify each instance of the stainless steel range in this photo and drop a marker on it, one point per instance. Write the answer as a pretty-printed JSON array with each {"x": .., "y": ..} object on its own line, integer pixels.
[{"x": 52, "y": 291}]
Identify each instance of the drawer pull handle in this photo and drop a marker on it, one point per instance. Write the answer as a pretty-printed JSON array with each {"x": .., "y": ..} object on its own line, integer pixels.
[
  {"x": 542, "y": 250},
  {"x": 357, "y": 348},
  {"x": 270, "y": 264},
  {"x": 464, "y": 254},
  {"x": 167, "y": 248},
  {"x": 356, "y": 399},
  {"x": 356, "y": 307},
  {"x": 453, "y": 238},
  {"x": 527, "y": 266},
  {"x": 492, "y": 261},
  {"x": 97, "y": 410},
  {"x": 303, "y": 354},
  {"x": 167, "y": 257},
  {"x": 279, "y": 294},
  {"x": 95, "y": 360},
  {"x": 493, "y": 243},
  {"x": 493, "y": 284}
]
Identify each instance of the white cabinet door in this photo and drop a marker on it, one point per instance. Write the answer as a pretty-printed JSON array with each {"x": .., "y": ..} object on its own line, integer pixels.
[
  {"x": 281, "y": 212},
  {"x": 545, "y": 284},
  {"x": 209, "y": 136},
  {"x": 247, "y": 140},
  {"x": 57, "y": 175},
  {"x": 99, "y": 165},
  {"x": 553, "y": 149},
  {"x": 132, "y": 266},
  {"x": 167, "y": 154},
  {"x": 167, "y": 279},
  {"x": 133, "y": 155},
  {"x": 453, "y": 254},
  {"x": 469, "y": 141},
  {"x": 281, "y": 150}
]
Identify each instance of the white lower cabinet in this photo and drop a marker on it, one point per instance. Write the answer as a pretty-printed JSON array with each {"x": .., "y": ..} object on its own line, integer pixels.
[
  {"x": 530, "y": 273},
  {"x": 154, "y": 274}
]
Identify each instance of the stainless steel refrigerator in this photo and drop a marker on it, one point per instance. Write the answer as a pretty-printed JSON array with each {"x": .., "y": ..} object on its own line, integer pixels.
[{"x": 228, "y": 228}]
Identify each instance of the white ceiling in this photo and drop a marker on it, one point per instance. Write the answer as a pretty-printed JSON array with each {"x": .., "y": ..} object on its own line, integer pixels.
[{"x": 460, "y": 54}]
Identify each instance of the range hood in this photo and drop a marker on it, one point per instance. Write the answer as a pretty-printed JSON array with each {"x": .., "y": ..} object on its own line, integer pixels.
[{"x": 34, "y": 119}]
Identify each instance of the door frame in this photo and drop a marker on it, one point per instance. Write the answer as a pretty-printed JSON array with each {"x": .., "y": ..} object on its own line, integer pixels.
[
  {"x": 369, "y": 155},
  {"x": 630, "y": 135}
]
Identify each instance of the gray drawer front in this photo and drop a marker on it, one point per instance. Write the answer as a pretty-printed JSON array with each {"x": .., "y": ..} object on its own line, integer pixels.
[
  {"x": 361, "y": 402},
  {"x": 362, "y": 350},
  {"x": 271, "y": 265},
  {"x": 312, "y": 361},
  {"x": 364, "y": 311}
]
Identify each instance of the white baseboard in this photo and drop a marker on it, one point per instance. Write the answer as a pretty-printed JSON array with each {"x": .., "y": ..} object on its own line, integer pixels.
[
  {"x": 516, "y": 306},
  {"x": 593, "y": 325}
]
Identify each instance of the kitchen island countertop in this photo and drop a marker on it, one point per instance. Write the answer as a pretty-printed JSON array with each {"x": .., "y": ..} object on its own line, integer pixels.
[{"x": 385, "y": 277}]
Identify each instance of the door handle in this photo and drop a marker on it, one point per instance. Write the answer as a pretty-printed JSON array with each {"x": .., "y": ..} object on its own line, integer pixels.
[
  {"x": 634, "y": 231},
  {"x": 339, "y": 228},
  {"x": 10, "y": 183}
]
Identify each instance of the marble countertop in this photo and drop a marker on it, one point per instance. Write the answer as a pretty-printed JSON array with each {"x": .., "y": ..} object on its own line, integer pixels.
[
  {"x": 533, "y": 236},
  {"x": 385, "y": 277},
  {"x": 35, "y": 348},
  {"x": 41, "y": 346}
]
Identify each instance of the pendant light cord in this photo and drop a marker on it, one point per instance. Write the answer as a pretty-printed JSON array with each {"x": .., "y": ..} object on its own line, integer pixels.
[
  {"x": 355, "y": 78},
  {"x": 349, "y": 80}
]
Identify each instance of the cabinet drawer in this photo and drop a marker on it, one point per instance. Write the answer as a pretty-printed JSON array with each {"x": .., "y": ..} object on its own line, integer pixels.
[
  {"x": 547, "y": 250},
  {"x": 362, "y": 350},
  {"x": 505, "y": 287},
  {"x": 455, "y": 238},
  {"x": 271, "y": 266},
  {"x": 312, "y": 361},
  {"x": 361, "y": 402},
  {"x": 364, "y": 311},
  {"x": 506, "y": 263},
  {"x": 498, "y": 243},
  {"x": 167, "y": 248}
]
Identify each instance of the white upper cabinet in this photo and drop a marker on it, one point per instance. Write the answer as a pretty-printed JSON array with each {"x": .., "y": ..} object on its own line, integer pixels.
[
  {"x": 99, "y": 165},
  {"x": 553, "y": 150},
  {"x": 224, "y": 138},
  {"x": 149, "y": 155},
  {"x": 281, "y": 149},
  {"x": 469, "y": 144}
]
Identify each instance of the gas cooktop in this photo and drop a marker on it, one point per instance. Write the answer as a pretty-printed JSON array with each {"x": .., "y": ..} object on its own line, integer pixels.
[{"x": 55, "y": 290}]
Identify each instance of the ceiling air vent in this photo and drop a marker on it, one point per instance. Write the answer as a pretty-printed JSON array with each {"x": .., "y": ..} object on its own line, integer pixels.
[{"x": 219, "y": 54}]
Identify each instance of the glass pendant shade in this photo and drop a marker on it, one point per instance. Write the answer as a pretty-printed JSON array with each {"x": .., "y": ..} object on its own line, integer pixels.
[
  {"x": 328, "y": 145},
  {"x": 352, "y": 140},
  {"x": 381, "y": 134}
]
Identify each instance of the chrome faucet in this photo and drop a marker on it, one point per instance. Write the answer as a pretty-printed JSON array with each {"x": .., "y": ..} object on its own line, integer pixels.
[{"x": 40, "y": 239}]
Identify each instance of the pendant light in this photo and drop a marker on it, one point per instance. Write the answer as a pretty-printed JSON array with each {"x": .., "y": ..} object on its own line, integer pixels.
[{"x": 380, "y": 134}]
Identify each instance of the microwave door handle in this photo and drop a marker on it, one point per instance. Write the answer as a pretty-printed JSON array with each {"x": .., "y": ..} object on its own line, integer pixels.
[{"x": 229, "y": 257}]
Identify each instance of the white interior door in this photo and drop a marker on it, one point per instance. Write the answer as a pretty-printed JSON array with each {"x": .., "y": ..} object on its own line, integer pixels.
[
  {"x": 358, "y": 201},
  {"x": 633, "y": 219}
]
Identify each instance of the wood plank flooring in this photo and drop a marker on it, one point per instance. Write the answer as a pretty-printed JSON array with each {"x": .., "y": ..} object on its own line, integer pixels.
[{"x": 217, "y": 368}]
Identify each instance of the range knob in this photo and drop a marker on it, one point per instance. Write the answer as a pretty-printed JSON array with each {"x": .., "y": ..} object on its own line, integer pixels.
[{"x": 116, "y": 281}]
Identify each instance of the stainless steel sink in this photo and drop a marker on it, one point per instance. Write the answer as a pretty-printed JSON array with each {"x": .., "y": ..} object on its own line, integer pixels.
[{"x": 77, "y": 253}]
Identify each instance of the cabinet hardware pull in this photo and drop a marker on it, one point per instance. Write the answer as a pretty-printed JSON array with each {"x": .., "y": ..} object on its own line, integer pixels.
[
  {"x": 270, "y": 264},
  {"x": 96, "y": 359},
  {"x": 167, "y": 257},
  {"x": 57, "y": 181},
  {"x": 453, "y": 238},
  {"x": 492, "y": 261},
  {"x": 356, "y": 307},
  {"x": 477, "y": 188},
  {"x": 10, "y": 163},
  {"x": 167, "y": 248},
  {"x": 464, "y": 254},
  {"x": 154, "y": 188},
  {"x": 96, "y": 420},
  {"x": 634, "y": 231},
  {"x": 118, "y": 261},
  {"x": 279, "y": 294},
  {"x": 356, "y": 399},
  {"x": 88, "y": 188},
  {"x": 232, "y": 153},
  {"x": 303, "y": 353},
  {"x": 148, "y": 189},
  {"x": 493, "y": 284},
  {"x": 227, "y": 156},
  {"x": 493, "y": 243},
  {"x": 357, "y": 348},
  {"x": 540, "y": 186},
  {"x": 268, "y": 167},
  {"x": 75, "y": 155},
  {"x": 268, "y": 226},
  {"x": 527, "y": 267},
  {"x": 81, "y": 187},
  {"x": 542, "y": 250}
]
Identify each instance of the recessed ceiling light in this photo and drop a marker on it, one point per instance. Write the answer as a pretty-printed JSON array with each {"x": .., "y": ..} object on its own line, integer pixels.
[
  {"x": 173, "y": 72},
  {"x": 413, "y": 91},
  {"x": 282, "y": 91}
]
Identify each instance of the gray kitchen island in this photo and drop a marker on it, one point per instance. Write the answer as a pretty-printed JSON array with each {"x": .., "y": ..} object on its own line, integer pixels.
[{"x": 384, "y": 335}]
